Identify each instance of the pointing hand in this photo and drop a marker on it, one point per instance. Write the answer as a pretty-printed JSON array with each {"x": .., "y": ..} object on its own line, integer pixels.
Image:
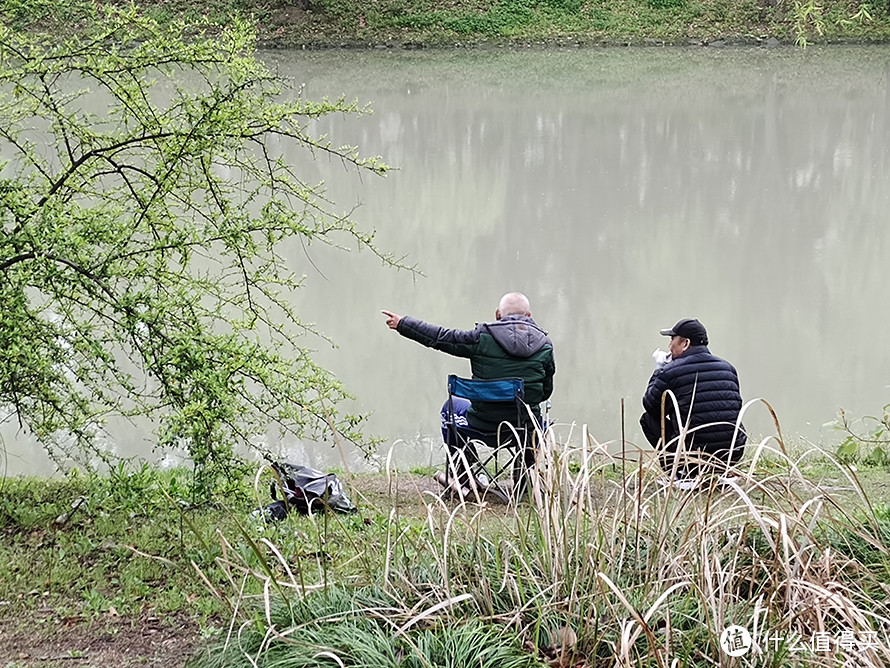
[{"x": 392, "y": 319}]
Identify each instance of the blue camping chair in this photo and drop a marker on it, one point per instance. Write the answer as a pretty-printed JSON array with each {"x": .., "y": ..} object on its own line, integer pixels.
[{"x": 510, "y": 449}]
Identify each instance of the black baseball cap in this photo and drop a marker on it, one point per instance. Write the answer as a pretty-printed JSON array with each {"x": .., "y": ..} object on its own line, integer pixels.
[{"x": 689, "y": 328}]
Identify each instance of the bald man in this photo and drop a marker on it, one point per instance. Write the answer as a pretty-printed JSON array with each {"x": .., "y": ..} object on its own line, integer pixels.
[{"x": 513, "y": 346}]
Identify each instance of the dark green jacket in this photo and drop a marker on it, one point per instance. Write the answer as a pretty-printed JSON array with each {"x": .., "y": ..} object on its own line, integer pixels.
[{"x": 512, "y": 347}]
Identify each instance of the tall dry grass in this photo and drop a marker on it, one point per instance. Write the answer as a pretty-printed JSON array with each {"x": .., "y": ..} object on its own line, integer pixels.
[{"x": 605, "y": 565}]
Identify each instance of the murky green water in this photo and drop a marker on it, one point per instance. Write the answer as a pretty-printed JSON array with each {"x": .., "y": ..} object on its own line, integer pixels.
[{"x": 621, "y": 189}]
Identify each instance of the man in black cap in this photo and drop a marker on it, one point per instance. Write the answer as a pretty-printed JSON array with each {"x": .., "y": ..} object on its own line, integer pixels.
[{"x": 704, "y": 421}]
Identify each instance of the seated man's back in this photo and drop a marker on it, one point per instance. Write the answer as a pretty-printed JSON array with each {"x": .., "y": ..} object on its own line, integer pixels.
[{"x": 513, "y": 346}]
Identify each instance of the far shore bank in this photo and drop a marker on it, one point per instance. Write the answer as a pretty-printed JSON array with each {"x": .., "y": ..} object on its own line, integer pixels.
[
  {"x": 420, "y": 24},
  {"x": 732, "y": 42},
  {"x": 473, "y": 24}
]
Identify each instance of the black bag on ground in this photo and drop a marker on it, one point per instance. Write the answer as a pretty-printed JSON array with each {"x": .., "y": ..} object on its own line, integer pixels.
[{"x": 305, "y": 490}]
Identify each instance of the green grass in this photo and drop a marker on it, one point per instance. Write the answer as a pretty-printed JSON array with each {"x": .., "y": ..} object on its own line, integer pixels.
[
  {"x": 368, "y": 626},
  {"x": 123, "y": 547},
  {"x": 129, "y": 543},
  {"x": 590, "y": 22},
  {"x": 597, "y": 565},
  {"x": 469, "y": 22}
]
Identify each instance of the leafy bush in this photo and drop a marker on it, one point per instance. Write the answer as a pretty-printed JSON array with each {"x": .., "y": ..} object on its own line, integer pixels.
[{"x": 867, "y": 440}]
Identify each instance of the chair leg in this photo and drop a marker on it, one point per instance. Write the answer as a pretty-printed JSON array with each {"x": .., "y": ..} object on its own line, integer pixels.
[
  {"x": 468, "y": 474},
  {"x": 523, "y": 463},
  {"x": 495, "y": 470}
]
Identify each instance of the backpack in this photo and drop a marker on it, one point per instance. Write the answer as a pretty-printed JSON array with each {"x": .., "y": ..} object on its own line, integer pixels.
[{"x": 305, "y": 490}]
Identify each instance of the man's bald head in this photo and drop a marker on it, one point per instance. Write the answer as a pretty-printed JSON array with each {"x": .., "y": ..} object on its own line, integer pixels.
[{"x": 513, "y": 303}]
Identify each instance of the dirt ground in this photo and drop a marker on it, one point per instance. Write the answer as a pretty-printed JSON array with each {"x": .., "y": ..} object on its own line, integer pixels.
[{"x": 109, "y": 643}]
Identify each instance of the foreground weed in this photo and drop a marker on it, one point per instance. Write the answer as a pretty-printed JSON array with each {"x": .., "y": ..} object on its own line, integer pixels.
[
  {"x": 596, "y": 568},
  {"x": 367, "y": 627}
]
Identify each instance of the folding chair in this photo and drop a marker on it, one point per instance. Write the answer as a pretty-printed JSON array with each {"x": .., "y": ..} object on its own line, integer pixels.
[{"x": 510, "y": 448}]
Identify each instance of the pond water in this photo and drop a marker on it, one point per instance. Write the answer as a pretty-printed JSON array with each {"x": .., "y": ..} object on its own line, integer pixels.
[{"x": 621, "y": 190}]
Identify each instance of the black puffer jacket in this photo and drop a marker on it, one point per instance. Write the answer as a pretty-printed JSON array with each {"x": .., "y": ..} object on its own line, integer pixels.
[
  {"x": 709, "y": 385},
  {"x": 512, "y": 347}
]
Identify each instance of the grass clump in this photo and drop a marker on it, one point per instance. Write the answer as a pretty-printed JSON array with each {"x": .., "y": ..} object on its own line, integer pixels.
[
  {"x": 85, "y": 546},
  {"x": 365, "y": 626},
  {"x": 603, "y": 563},
  {"x": 434, "y": 22}
]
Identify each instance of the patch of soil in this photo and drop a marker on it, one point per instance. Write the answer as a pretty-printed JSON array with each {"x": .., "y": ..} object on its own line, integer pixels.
[
  {"x": 399, "y": 489},
  {"x": 107, "y": 643},
  {"x": 407, "y": 492}
]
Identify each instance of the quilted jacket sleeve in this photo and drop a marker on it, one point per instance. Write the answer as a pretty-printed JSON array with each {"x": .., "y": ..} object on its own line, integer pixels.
[{"x": 456, "y": 342}]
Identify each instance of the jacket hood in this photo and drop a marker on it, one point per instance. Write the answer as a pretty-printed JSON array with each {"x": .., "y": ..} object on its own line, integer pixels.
[{"x": 518, "y": 335}]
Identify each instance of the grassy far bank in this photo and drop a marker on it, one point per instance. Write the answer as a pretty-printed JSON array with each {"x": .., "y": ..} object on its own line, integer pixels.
[
  {"x": 433, "y": 22},
  {"x": 121, "y": 570},
  {"x": 416, "y": 23},
  {"x": 438, "y": 23}
]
